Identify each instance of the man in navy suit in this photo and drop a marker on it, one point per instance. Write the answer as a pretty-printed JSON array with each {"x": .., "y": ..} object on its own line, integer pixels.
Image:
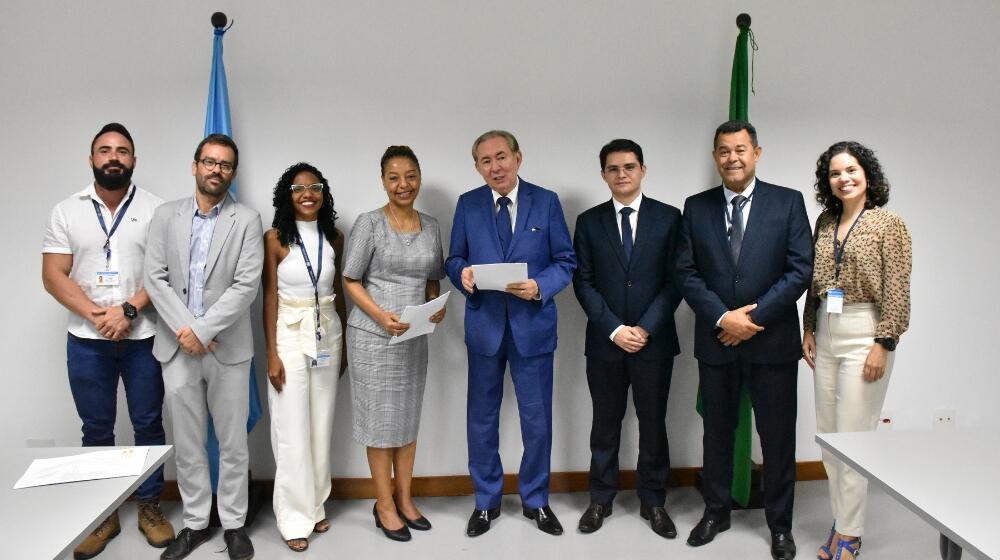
[
  {"x": 745, "y": 258},
  {"x": 625, "y": 250},
  {"x": 508, "y": 220}
]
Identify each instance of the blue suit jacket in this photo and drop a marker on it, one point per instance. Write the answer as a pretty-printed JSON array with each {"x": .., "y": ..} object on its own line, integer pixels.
[
  {"x": 774, "y": 270},
  {"x": 641, "y": 291},
  {"x": 540, "y": 239}
]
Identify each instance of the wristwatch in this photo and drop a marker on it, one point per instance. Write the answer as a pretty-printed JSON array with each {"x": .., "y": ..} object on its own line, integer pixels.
[
  {"x": 130, "y": 311},
  {"x": 887, "y": 343}
]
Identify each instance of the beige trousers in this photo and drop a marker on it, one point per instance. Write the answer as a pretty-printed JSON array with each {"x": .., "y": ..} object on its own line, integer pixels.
[
  {"x": 845, "y": 402},
  {"x": 302, "y": 415}
]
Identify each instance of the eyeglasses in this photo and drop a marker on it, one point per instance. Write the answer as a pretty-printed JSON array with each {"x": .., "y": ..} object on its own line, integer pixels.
[
  {"x": 615, "y": 169},
  {"x": 211, "y": 164},
  {"x": 313, "y": 188}
]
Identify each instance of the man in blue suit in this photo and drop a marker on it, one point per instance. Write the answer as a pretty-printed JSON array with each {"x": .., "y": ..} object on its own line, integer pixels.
[
  {"x": 625, "y": 250},
  {"x": 508, "y": 220},
  {"x": 745, "y": 259}
]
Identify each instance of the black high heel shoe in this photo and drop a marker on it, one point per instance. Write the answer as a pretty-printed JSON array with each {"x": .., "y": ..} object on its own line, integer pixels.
[
  {"x": 419, "y": 524},
  {"x": 402, "y": 534}
]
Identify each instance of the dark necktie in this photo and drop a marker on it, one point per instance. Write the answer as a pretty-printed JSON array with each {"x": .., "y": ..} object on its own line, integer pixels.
[
  {"x": 626, "y": 231},
  {"x": 736, "y": 226},
  {"x": 503, "y": 223}
]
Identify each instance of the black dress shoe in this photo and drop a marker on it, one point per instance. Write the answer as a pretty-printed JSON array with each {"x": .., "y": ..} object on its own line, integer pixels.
[
  {"x": 659, "y": 521},
  {"x": 782, "y": 546},
  {"x": 185, "y": 543},
  {"x": 418, "y": 524},
  {"x": 593, "y": 518},
  {"x": 402, "y": 534},
  {"x": 479, "y": 522},
  {"x": 545, "y": 519},
  {"x": 238, "y": 544},
  {"x": 705, "y": 531}
]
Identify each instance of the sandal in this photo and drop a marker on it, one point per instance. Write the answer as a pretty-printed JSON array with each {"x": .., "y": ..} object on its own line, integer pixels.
[
  {"x": 851, "y": 547},
  {"x": 298, "y": 545},
  {"x": 825, "y": 547},
  {"x": 322, "y": 526}
]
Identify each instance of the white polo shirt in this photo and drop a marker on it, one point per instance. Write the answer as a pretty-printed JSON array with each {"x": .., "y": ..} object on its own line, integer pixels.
[{"x": 73, "y": 229}]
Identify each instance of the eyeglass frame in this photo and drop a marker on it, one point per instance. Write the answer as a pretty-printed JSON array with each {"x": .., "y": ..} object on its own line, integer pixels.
[
  {"x": 210, "y": 164},
  {"x": 312, "y": 187}
]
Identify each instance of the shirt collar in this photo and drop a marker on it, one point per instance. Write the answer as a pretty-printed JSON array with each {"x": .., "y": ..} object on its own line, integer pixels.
[
  {"x": 747, "y": 192},
  {"x": 512, "y": 195},
  {"x": 91, "y": 193},
  {"x": 215, "y": 211},
  {"x": 634, "y": 205}
]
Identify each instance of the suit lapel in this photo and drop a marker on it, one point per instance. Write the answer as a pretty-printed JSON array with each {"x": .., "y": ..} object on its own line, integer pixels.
[
  {"x": 718, "y": 221},
  {"x": 524, "y": 199},
  {"x": 182, "y": 231},
  {"x": 610, "y": 227},
  {"x": 643, "y": 229},
  {"x": 489, "y": 217},
  {"x": 223, "y": 227},
  {"x": 758, "y": 215}
]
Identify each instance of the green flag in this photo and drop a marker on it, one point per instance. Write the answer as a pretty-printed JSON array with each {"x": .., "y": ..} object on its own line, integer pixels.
[
  {"x": 738, "y": 100},
  {"x": 739, "y": 86}
]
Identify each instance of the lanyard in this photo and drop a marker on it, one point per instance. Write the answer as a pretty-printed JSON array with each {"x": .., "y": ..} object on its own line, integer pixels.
[
  {"x": 114, "y": 226},
  {"x": 729, "y": 217},
  {"x": 314, "y": 276},
  {"x": 838, "y": 248}
]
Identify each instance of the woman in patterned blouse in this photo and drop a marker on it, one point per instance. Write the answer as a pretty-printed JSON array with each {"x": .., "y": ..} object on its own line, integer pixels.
[{"x": 856, "y": 310}]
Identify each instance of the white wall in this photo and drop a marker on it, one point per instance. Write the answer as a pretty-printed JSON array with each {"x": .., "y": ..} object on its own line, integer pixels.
[{"x": 333, "y": 83}]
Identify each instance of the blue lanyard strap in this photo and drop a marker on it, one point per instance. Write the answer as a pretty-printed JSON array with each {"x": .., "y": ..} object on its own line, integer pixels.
[
  {"x": 838, "y": 248},
  {"x": 314, "y": 276},
  {"x": 114, "y": 226}
]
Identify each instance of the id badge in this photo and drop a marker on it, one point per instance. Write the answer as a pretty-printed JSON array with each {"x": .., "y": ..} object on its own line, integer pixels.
[
  {"x": 835, "y": 301},
  {"x": 322, "y": 359},
  {"x": 107, "y": 278}
]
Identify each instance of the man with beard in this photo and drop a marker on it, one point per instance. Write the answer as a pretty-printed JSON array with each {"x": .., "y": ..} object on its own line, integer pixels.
[
  {"x": 92, "y": 263},
  {"x": 203, "y": 269}
]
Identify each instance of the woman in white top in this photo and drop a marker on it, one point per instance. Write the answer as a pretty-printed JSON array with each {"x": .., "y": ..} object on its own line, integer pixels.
[{"x": 304, "y": 320}]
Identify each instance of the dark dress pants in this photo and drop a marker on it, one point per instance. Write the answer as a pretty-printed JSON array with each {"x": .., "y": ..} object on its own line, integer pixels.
[
  {"x": 609, "y": 383},
  {"x": 774, "y": 397}
]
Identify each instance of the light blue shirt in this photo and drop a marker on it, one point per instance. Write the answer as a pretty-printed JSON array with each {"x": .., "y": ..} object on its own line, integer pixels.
[{"x": 202, "y": 228}]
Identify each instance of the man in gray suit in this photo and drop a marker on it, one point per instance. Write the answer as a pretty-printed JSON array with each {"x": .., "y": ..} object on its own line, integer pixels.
[{"x": 203, "y": 269}]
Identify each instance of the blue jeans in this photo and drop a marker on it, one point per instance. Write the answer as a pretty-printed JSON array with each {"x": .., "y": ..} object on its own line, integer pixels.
[{"x": 94, "y": 368}]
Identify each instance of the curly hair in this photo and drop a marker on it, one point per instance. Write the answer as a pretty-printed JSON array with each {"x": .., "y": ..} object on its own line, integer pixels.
[
  {"x": 284, "y": 210},
  {"x": 877, "y": 193}
]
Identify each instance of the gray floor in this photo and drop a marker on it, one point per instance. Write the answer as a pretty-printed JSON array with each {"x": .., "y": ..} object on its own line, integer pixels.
[{"x": 893, "y": 531}]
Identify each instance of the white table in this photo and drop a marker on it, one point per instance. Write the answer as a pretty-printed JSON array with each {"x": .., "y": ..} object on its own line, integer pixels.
[
  {"x": 49, "y": 521},
  {"x": 950, "y": 478}
]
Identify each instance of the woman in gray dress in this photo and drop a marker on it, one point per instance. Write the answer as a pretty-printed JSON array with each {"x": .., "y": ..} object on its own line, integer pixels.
[{"x": 394, "y": 259}]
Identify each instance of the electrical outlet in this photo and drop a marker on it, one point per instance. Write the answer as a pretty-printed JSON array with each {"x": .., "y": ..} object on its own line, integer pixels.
[
  {"x": 943, "y": 418},
  {"x": 885, "y": 421}
]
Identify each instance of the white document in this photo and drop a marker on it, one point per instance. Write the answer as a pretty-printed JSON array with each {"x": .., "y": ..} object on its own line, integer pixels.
[
  {"x": 419, "y": 318},
  {"x": 113, "y": 463},
  {"x": 497, "y": 276}
]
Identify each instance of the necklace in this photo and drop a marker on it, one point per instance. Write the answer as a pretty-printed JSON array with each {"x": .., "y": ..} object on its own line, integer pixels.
[{"x": 399, "y": 227}]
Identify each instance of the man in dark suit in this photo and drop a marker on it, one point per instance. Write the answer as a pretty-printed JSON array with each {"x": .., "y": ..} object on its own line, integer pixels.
[
  {"x": 745, "y": 258},
  {"x": 508, "y": 220},
  {"x": 625, "y": 250}
]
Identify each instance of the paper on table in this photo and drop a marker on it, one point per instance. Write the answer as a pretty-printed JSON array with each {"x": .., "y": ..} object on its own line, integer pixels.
[
  {"x": 419, "y": 318},
  {"x": 497, "y": 276},
  {"x": 113, "y": 463}
]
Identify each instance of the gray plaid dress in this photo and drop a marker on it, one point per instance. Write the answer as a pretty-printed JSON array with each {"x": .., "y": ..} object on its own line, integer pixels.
[{"x": 387, "y": 381}]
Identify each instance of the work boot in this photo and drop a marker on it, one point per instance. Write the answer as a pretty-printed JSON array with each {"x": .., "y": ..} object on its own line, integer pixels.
[
  {"x": 95, "y": 542},
  {"x": 159, "y": 532}
]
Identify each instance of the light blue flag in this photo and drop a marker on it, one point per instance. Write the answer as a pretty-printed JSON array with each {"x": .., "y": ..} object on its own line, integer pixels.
[{"x": 217, "y": 122}]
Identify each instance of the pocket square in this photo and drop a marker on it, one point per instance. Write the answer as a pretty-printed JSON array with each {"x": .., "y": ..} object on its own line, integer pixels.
[{"x": 536, "y": 228}]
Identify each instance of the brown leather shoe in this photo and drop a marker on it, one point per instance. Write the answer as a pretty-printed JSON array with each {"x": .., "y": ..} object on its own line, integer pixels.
[
  {"x": 95, "y": 542},
  {"x": 159, "y": 532}
]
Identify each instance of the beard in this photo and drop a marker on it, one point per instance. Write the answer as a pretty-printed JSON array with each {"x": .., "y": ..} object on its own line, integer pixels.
[
  {"x": 210, "y": 190},
  {"x": 113, "y": 181}
]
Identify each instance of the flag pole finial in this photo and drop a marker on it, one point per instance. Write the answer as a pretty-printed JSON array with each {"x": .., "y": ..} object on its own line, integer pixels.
[
  {"x": 219, "y": 20},
  {"x": 742, "y": 20}
]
